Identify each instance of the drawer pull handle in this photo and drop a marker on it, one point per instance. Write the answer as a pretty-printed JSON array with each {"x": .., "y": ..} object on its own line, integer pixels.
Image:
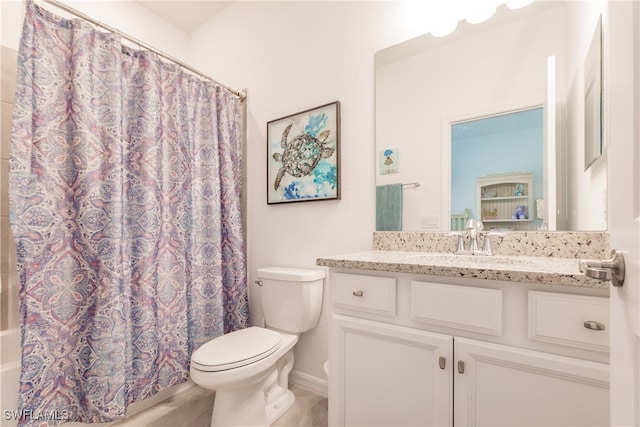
[
  {"x": 461, "y": 366},
  {"x": 594, "y": 326},
  {"x": 442, "y": 361},
  {"x": 358, "y": 293}
]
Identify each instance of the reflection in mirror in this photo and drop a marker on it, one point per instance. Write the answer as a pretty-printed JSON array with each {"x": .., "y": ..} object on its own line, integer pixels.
[
  {"x": 491, "y": 160},
  {"x": 426, "y": 85},
  {"x": 593, "y": 99}
]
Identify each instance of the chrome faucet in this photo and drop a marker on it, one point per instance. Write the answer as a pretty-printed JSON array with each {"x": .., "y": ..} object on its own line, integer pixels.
[{"x": 473, "y": 227}]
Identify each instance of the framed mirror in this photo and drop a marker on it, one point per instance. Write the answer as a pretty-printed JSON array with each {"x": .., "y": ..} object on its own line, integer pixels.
[{"x": 426, "y": 85}]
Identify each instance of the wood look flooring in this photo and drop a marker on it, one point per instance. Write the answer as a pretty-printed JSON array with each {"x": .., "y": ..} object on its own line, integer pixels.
[{"x": 192, "y": 408}]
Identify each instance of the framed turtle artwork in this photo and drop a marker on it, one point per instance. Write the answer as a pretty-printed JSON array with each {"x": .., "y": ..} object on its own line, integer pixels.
[{"x": 303, "y": 156}]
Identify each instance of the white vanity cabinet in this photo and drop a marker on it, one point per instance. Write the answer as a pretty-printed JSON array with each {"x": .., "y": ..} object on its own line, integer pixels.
[
  {"x": 388, "y": 375},
  {"x": 444, "y": 351},
  {"x": 510, "y": 386}
]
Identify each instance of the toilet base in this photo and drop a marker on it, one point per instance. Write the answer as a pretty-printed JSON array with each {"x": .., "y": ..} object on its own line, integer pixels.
[
  {"x": 256, "y": 404},
  {"x": 239, "y": 408},
  {"x": 248, "y": 408},
  {"x": 280, "y": 406}
]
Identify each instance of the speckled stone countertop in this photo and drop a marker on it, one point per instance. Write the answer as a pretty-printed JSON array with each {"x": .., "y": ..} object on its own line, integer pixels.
[
  {"x": 433, "y": 254},
  {"x": 563, "y": 244}
]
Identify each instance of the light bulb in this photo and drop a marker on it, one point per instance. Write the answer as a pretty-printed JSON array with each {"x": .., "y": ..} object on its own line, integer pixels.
[
  {"x": 518, "y": 4},
  {"x": 480, "y": 17},
  {"x": 444, "y": 29}
]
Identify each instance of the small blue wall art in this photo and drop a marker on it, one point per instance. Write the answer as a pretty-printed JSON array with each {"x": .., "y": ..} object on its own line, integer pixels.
[{"x": 389, "y": 161}]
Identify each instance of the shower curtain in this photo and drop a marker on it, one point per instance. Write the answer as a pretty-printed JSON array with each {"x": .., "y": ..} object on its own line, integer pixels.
[{"x": 124, "y": 183}]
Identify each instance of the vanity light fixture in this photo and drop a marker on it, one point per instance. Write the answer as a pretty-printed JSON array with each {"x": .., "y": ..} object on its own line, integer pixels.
[
  {"x": 482, "y": 16},
  {"x": 518, "y": 4},
  {"x": 444, "y": 29}
]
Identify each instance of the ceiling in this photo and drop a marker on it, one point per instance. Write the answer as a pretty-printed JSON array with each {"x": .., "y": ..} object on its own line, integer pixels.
[{"x": 186, "y": 15}]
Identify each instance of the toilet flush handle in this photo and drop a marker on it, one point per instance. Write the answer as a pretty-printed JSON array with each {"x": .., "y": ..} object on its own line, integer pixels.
[{"x": 258, "y": 282}]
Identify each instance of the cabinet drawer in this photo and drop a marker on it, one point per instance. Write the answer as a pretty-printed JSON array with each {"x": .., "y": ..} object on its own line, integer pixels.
[
  {"x": 460, "y": 307},
  {"x": 365, "y": 293},
  {"x": 560, "y": 319}
]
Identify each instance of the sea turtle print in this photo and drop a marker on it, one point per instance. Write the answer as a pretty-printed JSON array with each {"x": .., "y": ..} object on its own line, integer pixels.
[{"x": 302, "y": 154}]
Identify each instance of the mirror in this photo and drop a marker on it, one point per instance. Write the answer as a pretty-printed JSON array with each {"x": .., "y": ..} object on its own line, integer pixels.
[
  {"x": 492, "y": 161},
  {"x": 593, "y": 99},
  {"x": 520, "y": 60}
]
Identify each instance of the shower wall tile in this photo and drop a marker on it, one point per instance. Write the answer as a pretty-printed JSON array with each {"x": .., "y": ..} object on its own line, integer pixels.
[
  {"x": 4, "y": 187},
  {"x": 12, "y": 256},
  {"x": 14, "y": 298},
  {"x": 9, "y": 61},
  {"x": 9, "y": 300},
  {"x": 4, "y": 301},
  {"x": 5, "y": 245},
  {"x": 6, "y": 111},
  {"x": 8, "y": 268}
]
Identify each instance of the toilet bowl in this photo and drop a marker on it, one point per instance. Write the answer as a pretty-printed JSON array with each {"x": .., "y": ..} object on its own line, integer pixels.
[
  {"x": 241, "y": 384},
  {"x": 249, "y": 368}
]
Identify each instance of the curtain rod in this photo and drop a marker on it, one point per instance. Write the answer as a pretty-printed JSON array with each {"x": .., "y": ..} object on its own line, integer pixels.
[{"x": 241, "y": 93}]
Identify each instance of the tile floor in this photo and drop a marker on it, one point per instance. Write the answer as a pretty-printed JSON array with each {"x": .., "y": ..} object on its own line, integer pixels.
[{"x": 192, "y": 408}]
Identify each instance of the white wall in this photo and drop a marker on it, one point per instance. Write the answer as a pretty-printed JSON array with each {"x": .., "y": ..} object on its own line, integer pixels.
[
  {"x": 587, "y": 201},
  {"x": 126, "y": 16},
  {"x": 292, "y": 56}
]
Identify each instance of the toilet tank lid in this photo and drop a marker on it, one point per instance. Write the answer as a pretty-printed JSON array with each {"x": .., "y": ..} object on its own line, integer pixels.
[{"x": 290, "y": 274}]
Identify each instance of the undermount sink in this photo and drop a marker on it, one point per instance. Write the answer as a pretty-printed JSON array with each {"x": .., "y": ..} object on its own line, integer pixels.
[{"x": 465, "y": 260}]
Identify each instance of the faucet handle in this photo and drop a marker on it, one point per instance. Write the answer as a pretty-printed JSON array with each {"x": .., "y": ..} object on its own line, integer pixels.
[
  {"x": 460, "y": 244},
  {"x": 486, "y": 244}
]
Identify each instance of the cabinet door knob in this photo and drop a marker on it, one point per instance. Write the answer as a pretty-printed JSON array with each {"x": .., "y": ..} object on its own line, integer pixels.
[
  {"x": 358, "y": 293},
  {"x": 442, "y": 361},
  {"x": 461, "y": 366},
  {"x": 594, "y": 326}
]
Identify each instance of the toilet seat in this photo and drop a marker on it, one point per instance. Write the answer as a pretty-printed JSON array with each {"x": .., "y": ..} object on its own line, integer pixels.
[{"x": 235, "y": 349}]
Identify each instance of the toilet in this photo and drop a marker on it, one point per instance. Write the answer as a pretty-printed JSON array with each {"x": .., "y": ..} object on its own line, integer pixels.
[{"x": 249, "y": 368}]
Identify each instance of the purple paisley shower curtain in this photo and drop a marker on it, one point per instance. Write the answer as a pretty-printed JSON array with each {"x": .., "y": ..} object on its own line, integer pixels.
[{"x": 125, "y": 206}]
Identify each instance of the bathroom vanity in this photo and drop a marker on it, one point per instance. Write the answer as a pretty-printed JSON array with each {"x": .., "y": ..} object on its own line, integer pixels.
[{"x": 420, "y": 336}]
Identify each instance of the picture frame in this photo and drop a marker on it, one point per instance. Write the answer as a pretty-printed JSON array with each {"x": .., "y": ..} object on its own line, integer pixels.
[
  {"x": 303, "y": 156},
  {"x": 389, "y": 161}
]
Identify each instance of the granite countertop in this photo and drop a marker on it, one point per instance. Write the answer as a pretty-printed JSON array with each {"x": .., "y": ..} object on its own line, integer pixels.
[{"x": 525, "y": 269}]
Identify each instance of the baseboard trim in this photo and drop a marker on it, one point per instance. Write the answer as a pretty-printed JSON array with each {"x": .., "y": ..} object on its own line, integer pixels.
[{"x": 308, "y": 382}]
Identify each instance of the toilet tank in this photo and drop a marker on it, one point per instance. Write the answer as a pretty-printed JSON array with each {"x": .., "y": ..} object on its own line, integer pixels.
[{"x": 291, "y": 298}]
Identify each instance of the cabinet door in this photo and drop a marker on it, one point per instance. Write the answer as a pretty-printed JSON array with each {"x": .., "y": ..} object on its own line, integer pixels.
[
  {"x": 387, "y": 375},
  {"x": 509, "y": 386}
]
